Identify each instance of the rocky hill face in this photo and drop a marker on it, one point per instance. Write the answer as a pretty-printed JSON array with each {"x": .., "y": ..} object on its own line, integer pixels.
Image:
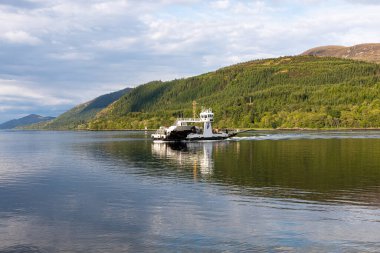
[{"x": 363, "y": 52}]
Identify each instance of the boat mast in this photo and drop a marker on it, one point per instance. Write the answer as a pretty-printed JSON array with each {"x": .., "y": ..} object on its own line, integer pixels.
[{"x": 194, "y": 109}]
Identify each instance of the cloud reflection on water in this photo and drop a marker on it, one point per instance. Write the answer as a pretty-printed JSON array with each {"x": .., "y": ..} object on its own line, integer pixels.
[{"x": 98, "y": 193}]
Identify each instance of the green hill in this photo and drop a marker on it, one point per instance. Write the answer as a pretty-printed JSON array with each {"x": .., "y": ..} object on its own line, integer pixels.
[
  {"x": 30, "y": 119},
  {"x": 287, "y": 92},
  {"x": 78, "y": 117}
]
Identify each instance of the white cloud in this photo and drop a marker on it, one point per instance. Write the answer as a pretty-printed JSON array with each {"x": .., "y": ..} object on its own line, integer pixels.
[
  {"x": 123, "y": 43},
  {"x": 370, "y": 2},
  {"x": 71, "y": 56},
  {"x": 221, "y": 4},
  {"x": 19, "y": 91},
  {"x": 113, "y": 7},
  {"x": 179, "y": 2},
  {"x": 20, "y": 37},
  {"x": 4, "y": 108}
]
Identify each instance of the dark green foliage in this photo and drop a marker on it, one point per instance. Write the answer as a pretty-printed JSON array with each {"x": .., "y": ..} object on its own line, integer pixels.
[{"x": 287, "y": 92}]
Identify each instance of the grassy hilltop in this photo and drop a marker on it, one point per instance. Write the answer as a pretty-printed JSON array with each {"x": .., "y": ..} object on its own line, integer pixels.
[
  {"x": 286, "y": 92},
  {"x": 369, "y": 52}
]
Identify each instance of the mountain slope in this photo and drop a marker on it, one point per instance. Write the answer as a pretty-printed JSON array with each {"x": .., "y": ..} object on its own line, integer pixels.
[
  {"x": 287, "y": 92},
  {"x": 80, "y": 114},
  {"x": 363, "y": 52},
  {"x": 27, "y": 120}
]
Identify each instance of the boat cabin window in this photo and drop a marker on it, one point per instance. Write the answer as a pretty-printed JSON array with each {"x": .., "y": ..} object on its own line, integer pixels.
[{"x": 205, "y": 116}]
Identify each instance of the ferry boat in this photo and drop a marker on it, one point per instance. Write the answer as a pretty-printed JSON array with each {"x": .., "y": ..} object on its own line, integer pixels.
[{"x": 182, "y": 130}]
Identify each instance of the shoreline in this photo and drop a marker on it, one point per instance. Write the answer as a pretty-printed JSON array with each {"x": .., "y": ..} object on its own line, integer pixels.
[{"x": 242, "y": 129}]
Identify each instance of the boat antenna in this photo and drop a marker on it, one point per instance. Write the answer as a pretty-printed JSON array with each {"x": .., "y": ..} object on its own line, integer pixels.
[{"x": 194, "y": 109}]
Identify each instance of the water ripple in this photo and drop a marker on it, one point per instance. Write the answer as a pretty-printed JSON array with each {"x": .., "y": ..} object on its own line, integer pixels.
[{"x": 119, "y": 192}]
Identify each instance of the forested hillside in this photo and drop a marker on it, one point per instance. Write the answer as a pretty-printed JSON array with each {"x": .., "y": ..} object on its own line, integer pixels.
[
  {"x": 287, "y": 92},
  {"x": 27, "y": 120},
  {"x": 78, "y": 117}
]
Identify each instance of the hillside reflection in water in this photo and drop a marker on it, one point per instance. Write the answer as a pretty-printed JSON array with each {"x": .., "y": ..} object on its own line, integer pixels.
[
  {"x": 120, "y": 192},
  {"x": 328, "y": 170}
]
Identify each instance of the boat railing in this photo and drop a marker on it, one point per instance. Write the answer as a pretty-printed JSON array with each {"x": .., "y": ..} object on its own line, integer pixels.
[{"x": 189, "y": 119}]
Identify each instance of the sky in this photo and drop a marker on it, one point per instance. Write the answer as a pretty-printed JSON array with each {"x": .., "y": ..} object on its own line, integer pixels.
[{"x": 55, "y": 54}]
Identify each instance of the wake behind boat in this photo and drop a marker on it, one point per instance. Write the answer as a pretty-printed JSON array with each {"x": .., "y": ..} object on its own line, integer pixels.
[{"x": 182, "y": 131}]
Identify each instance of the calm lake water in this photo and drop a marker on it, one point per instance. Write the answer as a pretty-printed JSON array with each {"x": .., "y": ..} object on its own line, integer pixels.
[{"x": 119, "y": 192}]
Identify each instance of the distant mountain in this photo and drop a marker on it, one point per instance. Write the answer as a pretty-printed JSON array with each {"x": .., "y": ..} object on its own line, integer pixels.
[
  {"x": 80, "y": 114},
  {"x": 363, "y": 52},
  {"x": 27, "y": 120}
]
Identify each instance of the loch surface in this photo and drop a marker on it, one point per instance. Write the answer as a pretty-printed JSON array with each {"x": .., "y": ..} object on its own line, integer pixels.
[{"x": 120, "y": 192}]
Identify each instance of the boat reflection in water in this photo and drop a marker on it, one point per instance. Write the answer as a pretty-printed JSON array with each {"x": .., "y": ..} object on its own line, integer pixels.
[{"x": 196, "y": 155}]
